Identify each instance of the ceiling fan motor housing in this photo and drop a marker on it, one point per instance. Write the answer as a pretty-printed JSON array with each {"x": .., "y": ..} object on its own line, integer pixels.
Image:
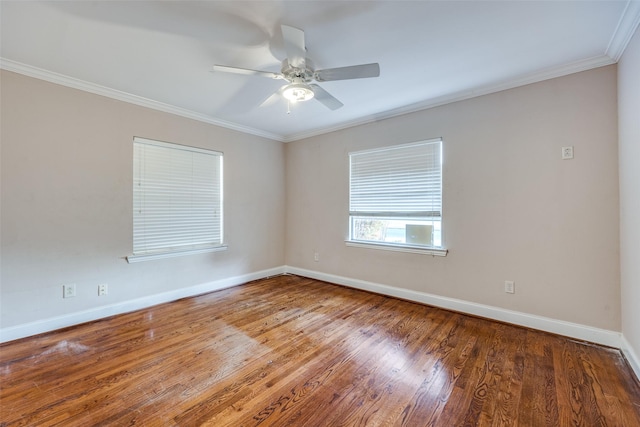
[
  {"x": 300, "y": 73},
  {"x": 296, "y": 74}
]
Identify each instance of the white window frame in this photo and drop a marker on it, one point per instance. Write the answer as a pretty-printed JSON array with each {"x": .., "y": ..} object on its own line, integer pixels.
[
  {"x": 177, "y": 200},
  {"x": 362, "y": 205}
]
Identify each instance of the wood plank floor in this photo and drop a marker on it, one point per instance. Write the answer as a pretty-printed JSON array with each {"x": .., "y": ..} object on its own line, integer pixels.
[{"x": 290, "y": 351}]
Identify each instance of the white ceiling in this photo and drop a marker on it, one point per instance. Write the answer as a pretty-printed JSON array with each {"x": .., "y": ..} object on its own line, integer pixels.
[{"x": 160, "y": 53}]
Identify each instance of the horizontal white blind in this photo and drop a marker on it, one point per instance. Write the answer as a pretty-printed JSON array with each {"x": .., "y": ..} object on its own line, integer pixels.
[
  {"x": 399, "y": 181},
  {"x": 177, "y": 197}
]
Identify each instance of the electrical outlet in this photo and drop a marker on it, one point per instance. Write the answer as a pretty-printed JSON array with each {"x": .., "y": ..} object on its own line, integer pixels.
[
  {"x": 316, "y": 256},
  {"x": 509, "y": 286},
  {"x": 69, "y": 290},
  {"x": 102, "y": 289},
  {"x": 567, "y": 153}
]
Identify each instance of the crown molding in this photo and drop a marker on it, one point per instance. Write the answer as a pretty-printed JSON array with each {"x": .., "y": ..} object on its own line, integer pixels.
[
  {"x": 536, "y": 77},
  {"x": 546, "y": 74},
  {"x": 625, "y": 30},
  {"x": 61, "y": 79}
]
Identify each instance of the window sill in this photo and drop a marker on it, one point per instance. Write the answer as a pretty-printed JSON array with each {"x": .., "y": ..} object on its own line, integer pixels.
[
  {"x": 398, "y": 248},
  {"x": 172, "y": 254}
]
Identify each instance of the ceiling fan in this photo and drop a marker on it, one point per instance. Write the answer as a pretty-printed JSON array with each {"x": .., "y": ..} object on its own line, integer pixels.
[{"x": 299, "y": 72}]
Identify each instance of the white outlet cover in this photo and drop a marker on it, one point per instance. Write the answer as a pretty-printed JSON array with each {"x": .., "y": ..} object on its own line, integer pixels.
[
  {"x": 567, "y": 153},
  {"x": 69, "y": 290}
]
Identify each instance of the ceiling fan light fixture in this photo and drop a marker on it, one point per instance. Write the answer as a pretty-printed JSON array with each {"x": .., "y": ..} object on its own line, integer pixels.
[{"x": 298, "y": 92}]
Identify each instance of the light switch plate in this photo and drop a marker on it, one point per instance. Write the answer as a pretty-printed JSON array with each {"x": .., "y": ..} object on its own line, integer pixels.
[{"x": 509, "y": 286}]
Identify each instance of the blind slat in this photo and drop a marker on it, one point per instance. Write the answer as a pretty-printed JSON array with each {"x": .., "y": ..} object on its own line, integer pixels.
[
  {"x": 177, "y": 197},
  {"x": 404, "y": 180}
]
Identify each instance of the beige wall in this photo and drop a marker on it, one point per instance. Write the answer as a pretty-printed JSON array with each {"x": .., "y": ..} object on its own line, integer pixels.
[
  {"x": 513, "y": 210},
  {"x": 629, "y": 116},
  {"x": 67, "y": 201}
]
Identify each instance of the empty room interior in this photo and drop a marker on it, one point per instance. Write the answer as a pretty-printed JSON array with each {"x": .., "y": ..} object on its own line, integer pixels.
[{"x": 320, "y": 213}]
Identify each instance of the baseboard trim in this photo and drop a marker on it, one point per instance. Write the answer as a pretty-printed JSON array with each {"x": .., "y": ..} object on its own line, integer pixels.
[
  {"x": 47, "y": 325},
  {"x": 631, "y": 356},
  {"x": 560, "y": 327},
  {"x": 573, "y": 330}
]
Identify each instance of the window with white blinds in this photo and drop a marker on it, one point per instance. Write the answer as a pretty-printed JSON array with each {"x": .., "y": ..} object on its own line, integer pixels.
[
  {"x": 395, "y": 194},
  {"x": 177, "y": 200}
]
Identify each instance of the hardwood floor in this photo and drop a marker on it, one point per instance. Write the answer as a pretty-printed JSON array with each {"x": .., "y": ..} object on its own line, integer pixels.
[{"x": 291, "y": 351}]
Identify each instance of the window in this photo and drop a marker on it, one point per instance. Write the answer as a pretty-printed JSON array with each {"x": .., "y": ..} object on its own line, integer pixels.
[
  {"x": 395, "y": 197},
  {"x": 177, "y": 200}
]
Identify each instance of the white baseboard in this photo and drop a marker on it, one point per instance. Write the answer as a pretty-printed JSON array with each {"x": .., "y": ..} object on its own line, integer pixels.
[
  {"x": 560, "y": 327},
  {"x": 46, "y": 325},
  {"x": 631, "y": 356},
  {"x": 573, "y": 330}
]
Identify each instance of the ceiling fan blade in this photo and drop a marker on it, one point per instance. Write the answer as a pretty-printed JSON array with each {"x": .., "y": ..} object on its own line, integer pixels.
[
  {"x": 345, "y": 73},
  {"x": 294, "y": 45},
  {"x": 275, "y": 97},
  {"x": 246, "y": 71},
  {"x": 325, "y": 97}
]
